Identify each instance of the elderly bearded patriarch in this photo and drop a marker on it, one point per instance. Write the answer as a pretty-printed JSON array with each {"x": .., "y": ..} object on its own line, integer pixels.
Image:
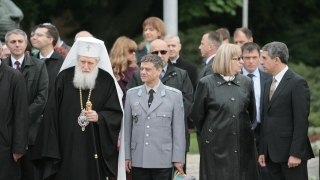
[{"x": 65, "y": 147}]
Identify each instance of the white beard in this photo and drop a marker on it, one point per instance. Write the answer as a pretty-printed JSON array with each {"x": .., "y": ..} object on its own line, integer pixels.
[{"x": 85, "y": 81}]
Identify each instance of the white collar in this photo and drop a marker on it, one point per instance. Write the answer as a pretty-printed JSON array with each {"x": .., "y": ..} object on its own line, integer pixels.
[
  {"x": 47, "y": 57},
  {"x": 280, "y": 75},
  {"x": 209, "y": 58},
  {"x": 255, "y": 72},
  {"x": 175, "y": 61},
  {"x": 13, "y": 60}
]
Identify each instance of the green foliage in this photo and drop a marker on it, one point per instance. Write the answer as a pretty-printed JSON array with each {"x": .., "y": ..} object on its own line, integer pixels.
[
  {"x": 190, "y": 40},
  {"x": 310, "y": 74},
  {"x": 193, "y": 144},
  {"x": 190, "y": 10}
]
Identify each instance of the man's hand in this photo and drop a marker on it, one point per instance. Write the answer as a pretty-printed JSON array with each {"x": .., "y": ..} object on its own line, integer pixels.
[
  {"x": 128, "y": 165},
  {"x": 262, "y": 161},
  {"x": 293, "y": 161},
  {"x": 92, "y": 115},
  {"x": 16, "y": 157},
  {"x": 190, "y": 131},
  {"x": 179, "y": 167}
]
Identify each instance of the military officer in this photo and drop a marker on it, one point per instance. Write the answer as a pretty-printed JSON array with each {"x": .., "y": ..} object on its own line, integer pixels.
[{"x": 154, "y": 125}]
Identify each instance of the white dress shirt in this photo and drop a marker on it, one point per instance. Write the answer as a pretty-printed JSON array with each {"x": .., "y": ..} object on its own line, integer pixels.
[{"x": 257, "y": 89}]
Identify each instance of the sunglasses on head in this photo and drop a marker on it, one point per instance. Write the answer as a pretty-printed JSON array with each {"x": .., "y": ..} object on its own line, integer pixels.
[
  {"x": 131, "y": 51},
  {"x": 163, "y": 52}
]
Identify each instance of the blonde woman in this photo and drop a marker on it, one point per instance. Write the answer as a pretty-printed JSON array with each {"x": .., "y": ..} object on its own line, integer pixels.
[
  {"x": 123, "y": 60},
  {"x": 224, "y": 108},
  {"x": 153, "y": 28}
]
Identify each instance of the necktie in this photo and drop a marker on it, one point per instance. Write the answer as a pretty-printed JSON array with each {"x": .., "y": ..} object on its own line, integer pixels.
[
  {"x": 251, "y": 76},
  {"x": 255, "y": 123},
  {"x": 17, "y": 63},
  {"x": 150, "y": 97},
  {"x": 43, "y": 59},
  {"x": 272, "y": 88}
]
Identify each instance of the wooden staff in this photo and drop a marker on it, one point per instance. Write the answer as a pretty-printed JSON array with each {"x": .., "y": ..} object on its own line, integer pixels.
[{"x": 89, "y": 107}]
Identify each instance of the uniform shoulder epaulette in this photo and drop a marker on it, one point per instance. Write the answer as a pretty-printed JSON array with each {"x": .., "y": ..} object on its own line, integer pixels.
[
  {"x": 171, "y": 89},
  {"x": 134, "y": 88}
]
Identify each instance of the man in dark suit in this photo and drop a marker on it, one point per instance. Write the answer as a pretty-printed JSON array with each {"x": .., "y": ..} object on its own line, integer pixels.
[
  {"x": 251, "y": 58},
  {"x": 36, "y": 78},
  {"x": 210, "y": 43},
  {"x": 284, "y": 143},
  {"x": 44, "y": 39}
]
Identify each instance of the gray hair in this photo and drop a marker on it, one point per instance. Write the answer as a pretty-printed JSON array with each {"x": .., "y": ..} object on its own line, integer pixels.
[
  {"x": 0, "y": 44},
  {"x": 277, "y": 49},
  {"x": 170, "y": 36},
  {"x": 155, "y": 59},
  {"x": 16, "y": 31}
]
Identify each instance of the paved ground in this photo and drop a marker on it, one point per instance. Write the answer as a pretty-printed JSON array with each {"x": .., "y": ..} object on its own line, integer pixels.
[{"x": 193, "y": 166}]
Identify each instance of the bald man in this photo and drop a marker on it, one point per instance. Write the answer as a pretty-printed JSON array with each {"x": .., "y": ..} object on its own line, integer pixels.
[{"x": 82, "y": 34}]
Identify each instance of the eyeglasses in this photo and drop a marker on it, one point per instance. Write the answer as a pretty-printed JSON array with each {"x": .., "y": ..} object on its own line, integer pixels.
[
  {"x": 131, "y": 51},
  {"x": 163, "y": 52},
  {"x": 39, "y": 35},
  {"x": 238, "y": 58}
]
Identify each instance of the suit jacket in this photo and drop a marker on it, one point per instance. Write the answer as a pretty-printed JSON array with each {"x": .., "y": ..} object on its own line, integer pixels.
[
  {"x": 36, "y": 78},
  {"x": 53, "y": 65},
  {"x": 190, "y": 67},
  {"x": 207, "y": 70},
  {"x": 157, "y": 138},
  {"x": 285, "y": 120}
]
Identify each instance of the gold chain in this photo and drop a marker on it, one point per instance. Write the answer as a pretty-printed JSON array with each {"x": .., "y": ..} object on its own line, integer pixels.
[{"x": 81, "y": 97}]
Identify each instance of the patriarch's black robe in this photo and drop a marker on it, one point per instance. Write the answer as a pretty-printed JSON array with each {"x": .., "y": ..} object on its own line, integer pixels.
[
  {"x": 13, "y": 121},
  {"x": 62, "y": 149}
]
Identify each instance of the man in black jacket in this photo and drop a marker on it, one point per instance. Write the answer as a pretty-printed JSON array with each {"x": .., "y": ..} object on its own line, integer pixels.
[
  {"x": 44, "y": 39},
  {"x": 174, "y": 46},
  {"x": 36, "y": 78}
]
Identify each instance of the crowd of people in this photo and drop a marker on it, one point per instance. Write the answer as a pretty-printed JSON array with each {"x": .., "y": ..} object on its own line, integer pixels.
[{"x": 78, "y": 113}]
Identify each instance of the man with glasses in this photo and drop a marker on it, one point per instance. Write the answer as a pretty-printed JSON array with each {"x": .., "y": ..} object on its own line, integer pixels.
[
  {"x": 44, "y": 39},
  {"x": 251, "y": 57}
]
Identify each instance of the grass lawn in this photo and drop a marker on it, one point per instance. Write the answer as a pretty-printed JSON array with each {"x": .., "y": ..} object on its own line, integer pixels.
[{"x": 193, "y": 144}]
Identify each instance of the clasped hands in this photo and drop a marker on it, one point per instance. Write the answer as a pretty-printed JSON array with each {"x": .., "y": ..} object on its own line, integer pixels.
[
  {"x": 292, "y": 161},
  {"x": 91, "y": 115}
]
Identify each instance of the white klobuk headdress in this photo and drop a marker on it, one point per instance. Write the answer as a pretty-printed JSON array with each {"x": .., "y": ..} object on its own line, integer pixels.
[{"x": 92, "y": 47}]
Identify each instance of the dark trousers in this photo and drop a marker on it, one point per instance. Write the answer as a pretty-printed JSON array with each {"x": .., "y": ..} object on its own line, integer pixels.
[
  {"x": 281, "y": 171},
  {"x": 151, "y": 173},
  {"x": 28, "y": 171},
  {"x": 263, "y": 170}
]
